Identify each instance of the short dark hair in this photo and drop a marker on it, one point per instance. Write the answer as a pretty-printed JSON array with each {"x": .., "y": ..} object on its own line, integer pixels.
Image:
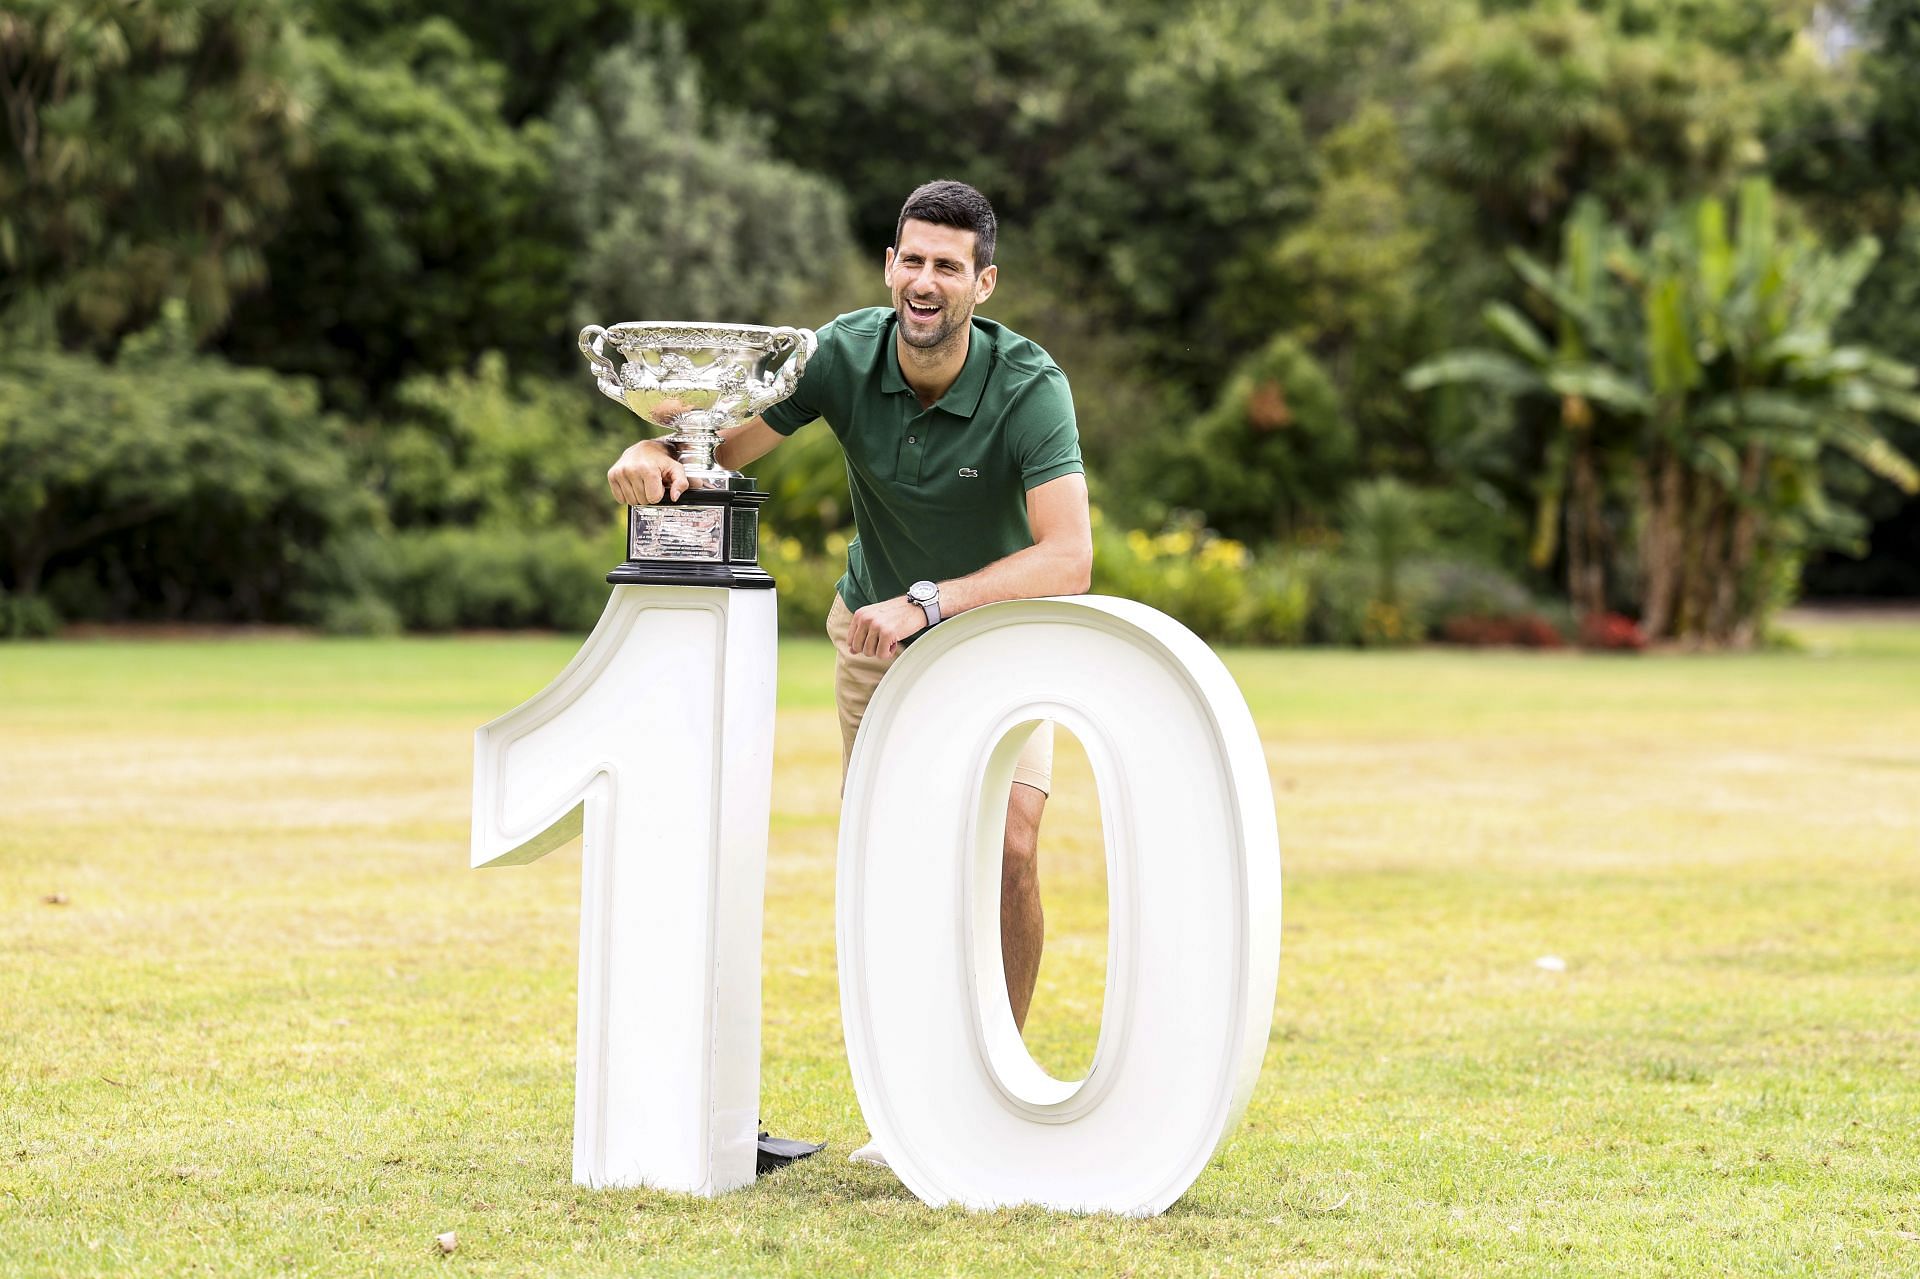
[{"x": 954, "y": 204}]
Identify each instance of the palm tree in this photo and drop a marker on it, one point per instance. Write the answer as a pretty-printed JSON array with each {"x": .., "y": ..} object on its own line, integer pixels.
[
  {"x": 1711, "y": 355},
  {"x": 1755, "y": 393},
  {"x": 1583, "y": 368}
]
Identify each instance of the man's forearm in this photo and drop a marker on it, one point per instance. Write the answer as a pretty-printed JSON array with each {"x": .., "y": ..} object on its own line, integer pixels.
[
  {"x": 744, "y": 444},
  {"x": 1045, "y": 568}
]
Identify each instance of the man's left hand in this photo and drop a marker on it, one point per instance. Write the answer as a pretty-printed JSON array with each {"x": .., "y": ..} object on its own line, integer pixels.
[{"x": 878, "y": 628}]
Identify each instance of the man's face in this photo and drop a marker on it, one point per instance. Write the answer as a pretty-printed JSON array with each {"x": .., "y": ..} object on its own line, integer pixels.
[{"x": 933, "y": 284}]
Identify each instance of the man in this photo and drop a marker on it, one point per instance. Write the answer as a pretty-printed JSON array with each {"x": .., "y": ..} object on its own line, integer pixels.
[{"x": 964, "y": 465}]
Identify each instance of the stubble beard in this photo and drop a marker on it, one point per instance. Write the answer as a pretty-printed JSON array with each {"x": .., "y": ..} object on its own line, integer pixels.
[{"x": 944, "y": 334}]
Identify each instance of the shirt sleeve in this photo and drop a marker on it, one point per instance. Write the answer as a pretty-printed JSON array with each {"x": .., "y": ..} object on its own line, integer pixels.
[
  {"x": 809, "y": 398},
  {"x": 1044, "y": 434}
]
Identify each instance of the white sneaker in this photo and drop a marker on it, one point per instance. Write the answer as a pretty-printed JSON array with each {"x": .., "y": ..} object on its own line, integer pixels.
[{"x": 869, "y": 1154}]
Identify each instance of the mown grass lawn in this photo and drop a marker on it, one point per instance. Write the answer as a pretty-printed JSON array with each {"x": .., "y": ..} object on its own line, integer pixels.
[{"x": 257, "y": 1017}]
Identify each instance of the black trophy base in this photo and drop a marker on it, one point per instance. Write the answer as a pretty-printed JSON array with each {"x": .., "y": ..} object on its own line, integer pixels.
[
  {"x": 708, "y": 537},
  {"x": 738, "y": 577}
]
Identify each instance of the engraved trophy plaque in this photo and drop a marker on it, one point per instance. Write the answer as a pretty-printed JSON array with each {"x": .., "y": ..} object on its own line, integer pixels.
[{"x": 693, "y": 380}]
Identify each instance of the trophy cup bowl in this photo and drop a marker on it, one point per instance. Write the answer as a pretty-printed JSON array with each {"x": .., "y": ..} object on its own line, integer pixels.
[{"x": 693, "y": 380}]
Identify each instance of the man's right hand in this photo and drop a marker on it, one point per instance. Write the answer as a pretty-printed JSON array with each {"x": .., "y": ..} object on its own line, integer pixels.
[{"x": 646, "y": 473}]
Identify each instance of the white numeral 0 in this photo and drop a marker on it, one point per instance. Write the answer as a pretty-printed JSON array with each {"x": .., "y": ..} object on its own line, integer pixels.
[{"x": 963, "y": 1113}]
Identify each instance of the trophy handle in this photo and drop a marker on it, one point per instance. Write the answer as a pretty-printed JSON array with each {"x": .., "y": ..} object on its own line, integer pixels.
[
  {"x": 802, "y": 343},
  {"x": 593, "y": 341}
]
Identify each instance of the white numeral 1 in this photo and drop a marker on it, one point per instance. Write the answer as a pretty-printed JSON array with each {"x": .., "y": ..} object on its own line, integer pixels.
[{"x": 655, "y": 744}]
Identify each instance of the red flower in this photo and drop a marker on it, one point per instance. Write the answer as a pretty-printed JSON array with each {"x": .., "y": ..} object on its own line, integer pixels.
[
  {"x": 1612, "y": 631},
  {"x": 1525, "y": 630}
]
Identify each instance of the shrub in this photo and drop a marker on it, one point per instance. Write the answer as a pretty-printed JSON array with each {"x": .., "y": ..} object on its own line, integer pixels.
[
  {"x": 1212, "y": 584},
  {"x": 1183, "y": 570},
  {"x": 1263, "y": 461},
  {"x": 1527, "y": 630},
  {"x": 805, "y": 581},
  {"x": 1347, "y": 608},
  {"x": 167, "y": 484},
  {"x": 26, "y": 617},
  {"x": 678, "y": 203},
  {"x": 1276, "y": 604},
  {"x": 1384, "y": 524},
  {"x": 1612, "y": 631},
  {"x": 359, "y": 615},
  {"x": 1464, "y": 588},
  {"x": 490, "y": 450},
  {"x": 455, "y": 578},
  {"x": 807, "y": 481},
  {"x": 1477, "y": 604}
]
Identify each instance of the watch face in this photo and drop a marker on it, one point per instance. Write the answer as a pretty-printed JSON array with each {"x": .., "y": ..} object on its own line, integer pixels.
[{"x": 923, "y": 593}]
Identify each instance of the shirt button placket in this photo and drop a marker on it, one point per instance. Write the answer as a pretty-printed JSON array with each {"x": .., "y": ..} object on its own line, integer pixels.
[{"x": 911, "y": 450}]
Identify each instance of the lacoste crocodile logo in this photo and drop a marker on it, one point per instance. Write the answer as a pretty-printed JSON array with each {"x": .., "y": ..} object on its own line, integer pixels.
[{"x": 968, "y": 473}]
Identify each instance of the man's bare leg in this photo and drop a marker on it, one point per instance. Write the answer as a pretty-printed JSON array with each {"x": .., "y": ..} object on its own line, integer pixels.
[{"x": 1022, "y": 924}]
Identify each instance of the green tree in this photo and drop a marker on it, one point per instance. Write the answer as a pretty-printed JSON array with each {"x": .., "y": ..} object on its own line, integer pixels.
[
  {"x": 1383, "y": 525},
  {"x": 167, "y": 484},
  {"x": 497, "y": 511},
  {"x": 1370, "y": 282},
  {"x": 1711, "y": 347},
  {"x": 1754, "y": 32},
  {"x": 1268, "y": 460},
  {"x": 1525, "y": 113},
  {"x": 541, "y": 46},
  {"x": 1845, "y": 141},
  {"x": 676, "y": 208},
  {"x": 149, "y": 147},
  {"x": 1756, "y": 388},
  {"x": 421, "y": 233},
  {"x": 482, "y": 450},
  {"x": 1577, "y": 370},
  {"x": 1137, "y": 150},
  {"x": 1842, "y": 133}
]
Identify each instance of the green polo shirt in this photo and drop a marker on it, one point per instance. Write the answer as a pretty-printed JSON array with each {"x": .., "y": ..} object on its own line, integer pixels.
[{"x": 939, "y": 492}]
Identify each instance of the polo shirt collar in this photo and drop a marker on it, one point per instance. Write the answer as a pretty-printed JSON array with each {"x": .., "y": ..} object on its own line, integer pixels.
[{"x": 963, "y": 397}]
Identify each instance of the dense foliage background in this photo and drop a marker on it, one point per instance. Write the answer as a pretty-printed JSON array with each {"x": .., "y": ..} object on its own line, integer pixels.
[{"x": 1489, "y": 320}]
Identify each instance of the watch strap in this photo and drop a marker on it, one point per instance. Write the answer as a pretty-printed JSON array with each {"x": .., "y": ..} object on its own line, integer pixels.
[{"x": 929, "y": 606}]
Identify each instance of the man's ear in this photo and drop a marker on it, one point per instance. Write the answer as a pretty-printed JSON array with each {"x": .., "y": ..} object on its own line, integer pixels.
[
  {"x": 983, "y": 286},
  {"x": 886, "y": 271}
]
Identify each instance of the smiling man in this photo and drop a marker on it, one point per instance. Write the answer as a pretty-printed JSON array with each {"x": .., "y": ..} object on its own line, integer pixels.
[{"x": 964, "y": 464}]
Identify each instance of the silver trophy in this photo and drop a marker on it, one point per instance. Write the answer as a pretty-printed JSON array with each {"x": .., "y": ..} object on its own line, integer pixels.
[{"x": 693, "y": 380}]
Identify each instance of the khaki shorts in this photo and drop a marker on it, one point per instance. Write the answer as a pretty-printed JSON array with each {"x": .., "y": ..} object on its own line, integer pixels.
[{"x": 855, "y": 678}]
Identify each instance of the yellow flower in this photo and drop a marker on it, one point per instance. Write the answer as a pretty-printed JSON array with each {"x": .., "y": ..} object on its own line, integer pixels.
[
  {"x": 1223, "y": 552},
  {"x": 1178, "y": 542},
  {"x": 1385, "y": 621}
]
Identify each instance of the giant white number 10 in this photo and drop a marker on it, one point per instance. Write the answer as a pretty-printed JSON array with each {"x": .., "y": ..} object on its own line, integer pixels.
[{"x": 656, "y": 744}]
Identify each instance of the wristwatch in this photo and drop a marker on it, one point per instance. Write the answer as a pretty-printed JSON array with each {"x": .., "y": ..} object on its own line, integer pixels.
[{"x": 927, "y": 596}]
